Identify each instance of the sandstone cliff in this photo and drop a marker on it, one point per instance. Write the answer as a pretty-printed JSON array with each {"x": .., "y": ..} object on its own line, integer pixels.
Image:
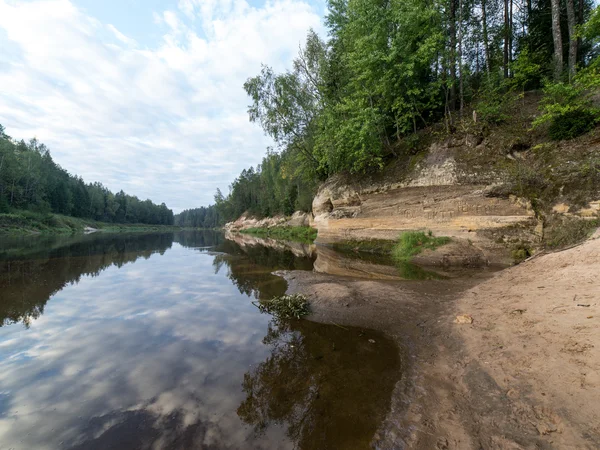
[
  {"x": 466, "y": 188},
  {"x": 433, "y": 196},
  {"x": 495, "y": 193}
]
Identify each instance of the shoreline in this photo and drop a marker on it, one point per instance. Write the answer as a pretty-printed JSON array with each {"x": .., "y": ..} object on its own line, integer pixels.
[{"x": 507, "y": 381}]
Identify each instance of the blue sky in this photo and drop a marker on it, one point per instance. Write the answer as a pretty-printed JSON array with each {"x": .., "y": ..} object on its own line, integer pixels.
[{"x": 145, "y": 95}]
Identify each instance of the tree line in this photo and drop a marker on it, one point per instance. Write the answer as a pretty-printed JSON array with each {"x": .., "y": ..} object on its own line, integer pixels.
[
  {"x": 352, "y": 101},
  {"x": 31, "y": 180}
]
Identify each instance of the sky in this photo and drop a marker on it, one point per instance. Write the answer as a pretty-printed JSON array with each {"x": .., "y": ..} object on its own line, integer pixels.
[{"x": 146, "y": 95}]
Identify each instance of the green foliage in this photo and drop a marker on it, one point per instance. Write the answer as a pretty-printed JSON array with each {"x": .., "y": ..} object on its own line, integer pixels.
[
  {"x": 389, "y": 68},
  {"x": 591, "y": 31},
  {"x": 31, "y": 180},
  {"x": 26, "y": 222},
  {"x": 203, "y": 217},
  {"x": 274, "y": 187},
  {"x": 568, "y": 107},
  {"x": 492, "y": 104},
  {"x": 300, "y": 234},
  {"x": 520, "y": 253},
  {"x": 572, "y": 123},
  {"x": 286, "y": 105},
  {"x": 285, "y": 306},
  {"x": 526, "y": 71},
  {"x": 411, "y": 243}
]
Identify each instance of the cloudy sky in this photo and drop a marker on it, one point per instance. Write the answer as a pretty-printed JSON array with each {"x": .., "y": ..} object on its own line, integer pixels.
[{"x": 145, "y": 95}]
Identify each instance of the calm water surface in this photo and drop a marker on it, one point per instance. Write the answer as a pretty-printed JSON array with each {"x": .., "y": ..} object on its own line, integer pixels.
[{"x": 152, "y": 341}]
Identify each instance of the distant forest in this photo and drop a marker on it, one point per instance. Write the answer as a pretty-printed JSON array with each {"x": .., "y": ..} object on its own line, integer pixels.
[
  {"x": 356, "y": 100},
  {"x": 30, "y": 180}
]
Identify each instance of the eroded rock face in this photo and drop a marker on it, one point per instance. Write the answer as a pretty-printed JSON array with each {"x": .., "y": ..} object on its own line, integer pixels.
[
  {"x": 431, "y": 198},
  {"x": 298, "y": 219}
]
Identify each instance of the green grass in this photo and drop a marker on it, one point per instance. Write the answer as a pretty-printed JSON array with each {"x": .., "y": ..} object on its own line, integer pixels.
[
  {"x": 300, "y": 234},
  {"x": 411, "y": 243},
  {"x": 27, "y": 222}
]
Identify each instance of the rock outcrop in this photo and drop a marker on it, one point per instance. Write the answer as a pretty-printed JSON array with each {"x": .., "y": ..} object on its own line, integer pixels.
[
  {"x": 298, "y": 219},
  {"x": 436, "y": 195}
]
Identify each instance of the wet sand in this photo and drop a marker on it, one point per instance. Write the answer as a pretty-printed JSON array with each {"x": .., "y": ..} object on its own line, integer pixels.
[{"x": 524, "y": 375}]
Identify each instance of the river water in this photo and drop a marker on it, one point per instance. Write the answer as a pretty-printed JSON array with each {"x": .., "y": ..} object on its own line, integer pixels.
[{"x": 151, "y": 341}]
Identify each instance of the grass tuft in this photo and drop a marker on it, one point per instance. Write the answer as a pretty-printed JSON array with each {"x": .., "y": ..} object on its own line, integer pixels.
[
  {"x": 411, "y": 243},
  {"x": 285, "y": 306}
]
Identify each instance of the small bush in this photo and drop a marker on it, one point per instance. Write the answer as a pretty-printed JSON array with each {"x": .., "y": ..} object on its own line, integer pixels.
[
  {"x": 414, "y": 242},
  {"x": 571, "y": 124},
  {"x": 285, "y": 306},
  {"x": 521, "y": 253},
  {"x": 491, "y": 112}
]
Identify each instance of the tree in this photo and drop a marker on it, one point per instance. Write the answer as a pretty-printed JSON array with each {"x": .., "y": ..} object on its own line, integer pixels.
[
  {"x": 557, "y": 37},
  {"x": 572, "y": 23},
  {"x": 30, "y": 179},
  {"x": 286, "y": 105}
]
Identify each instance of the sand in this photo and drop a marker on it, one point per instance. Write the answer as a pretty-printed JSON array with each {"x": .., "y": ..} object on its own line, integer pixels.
[{"x": 524, "y": 375}]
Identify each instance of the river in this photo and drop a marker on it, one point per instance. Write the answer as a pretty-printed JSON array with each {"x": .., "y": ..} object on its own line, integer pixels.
[{"x": 151, "y": 341}]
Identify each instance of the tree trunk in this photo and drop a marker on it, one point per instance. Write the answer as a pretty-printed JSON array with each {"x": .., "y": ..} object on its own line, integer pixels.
[
  {"x": 506, "y": 31},
  {"x": 556, "y": 35},
  {"x": 460, "y": 56},
  {"x": 510, "y": 34},
  {"x": 572, "y": 22},
  {"x": 579, "y": 22},
  {"x": 452, "y": 55},
  {"x": 486, "y": 46}
]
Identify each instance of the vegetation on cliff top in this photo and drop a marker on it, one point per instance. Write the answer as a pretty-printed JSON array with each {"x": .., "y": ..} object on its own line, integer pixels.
[
  {"x": 358, "y": 100},
  {"x": 300, "y": 234}
]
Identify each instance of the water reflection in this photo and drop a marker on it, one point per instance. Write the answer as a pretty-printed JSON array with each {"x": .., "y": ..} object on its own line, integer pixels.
[
  {"x": 31, "y": 274},
  {"x": 327, "y": 386},
  {"x": 151, "y": 341}
]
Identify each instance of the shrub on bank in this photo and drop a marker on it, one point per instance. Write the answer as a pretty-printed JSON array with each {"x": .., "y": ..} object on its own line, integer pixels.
[{"x": 572, "y": 124}]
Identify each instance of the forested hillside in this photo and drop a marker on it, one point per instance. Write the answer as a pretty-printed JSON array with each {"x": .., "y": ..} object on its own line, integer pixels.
[
  {"x": 30, "y": 180},
  {"x": 203, "y": 217},
  {"x": 390, "y": 69}
]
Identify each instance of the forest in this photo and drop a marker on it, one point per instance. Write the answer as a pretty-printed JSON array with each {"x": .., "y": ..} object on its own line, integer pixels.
[
  {"x": 31, "y": 181},
  {"x": 388, "y": 69}
]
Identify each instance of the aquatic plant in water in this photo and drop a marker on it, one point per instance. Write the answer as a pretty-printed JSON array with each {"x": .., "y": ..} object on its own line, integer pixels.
[{"x": 285, "y": 307}]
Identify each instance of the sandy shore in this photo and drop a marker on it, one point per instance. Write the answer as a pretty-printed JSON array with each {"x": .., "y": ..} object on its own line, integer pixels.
[{"x": 524, "y": 375}]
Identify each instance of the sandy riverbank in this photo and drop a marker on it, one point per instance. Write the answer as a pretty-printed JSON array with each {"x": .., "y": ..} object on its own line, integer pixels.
[{"x": 524, "y": 375}]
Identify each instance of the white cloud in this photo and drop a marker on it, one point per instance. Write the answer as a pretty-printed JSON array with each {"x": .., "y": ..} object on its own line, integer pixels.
[{"x": 168, "y": 123}]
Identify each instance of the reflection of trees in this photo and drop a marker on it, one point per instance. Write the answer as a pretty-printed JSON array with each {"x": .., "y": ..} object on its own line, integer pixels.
[
  {"x": 32, "y": 270},
  {"x": 28, "y": 281},
  {"x": 328, "y": 387},
  {"x": 250, "y": 268},
  {"x": 199, "y": 238}
]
